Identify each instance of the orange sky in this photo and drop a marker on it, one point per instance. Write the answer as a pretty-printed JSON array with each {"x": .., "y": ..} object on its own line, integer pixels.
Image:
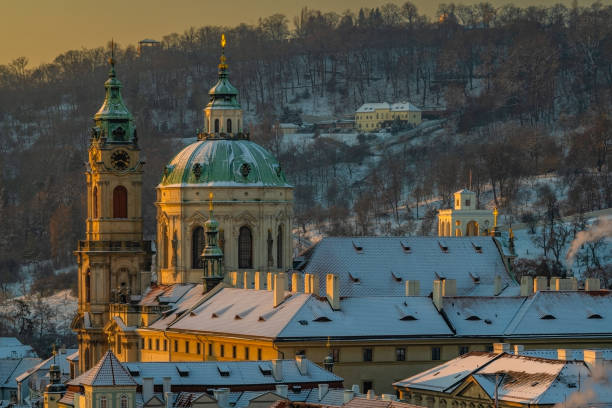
[{"x": 42, "y": 29}]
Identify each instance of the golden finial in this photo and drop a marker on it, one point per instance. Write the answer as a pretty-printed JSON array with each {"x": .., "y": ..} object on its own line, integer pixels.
[
  {"x": 511, "y": 233},
  {"x": 223, "y": 41},
  {"x": 328, "y": 344},
  {"x": 210, "y": 203},
  {"x": 54, "y": 351},
  {"x": 223, "y": 65},
  {"x": 495, "y": 214}
]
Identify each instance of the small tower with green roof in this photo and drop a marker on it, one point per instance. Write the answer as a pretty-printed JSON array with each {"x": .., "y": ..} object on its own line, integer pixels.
[
  {"x": 223, "y": 114},
  {"x": 212, "y": 255}
]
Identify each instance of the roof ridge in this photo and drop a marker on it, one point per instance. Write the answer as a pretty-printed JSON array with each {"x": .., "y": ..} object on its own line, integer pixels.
[{"x": 520, "y": 314}]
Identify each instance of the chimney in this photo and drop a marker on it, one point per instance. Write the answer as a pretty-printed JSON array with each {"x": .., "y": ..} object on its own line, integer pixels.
[
  {"x": 259, "y": 281},
  {"x": 371, "y": 394},
  {"x": 501, "y": 348},
  {"x": 270, "y": 281},
  {"x": 333, "y": 291},
  {"x": 282, "y": 390},
  {"x": 222, "y": 397},
  {"x": 591, "y": 284},
  {"x": 147, "y": 389},
  {"x": 593, "y": 358},
  {"x": 348, "y": 396},
  {"x": 355, "y": 389},
  {"x": 518, "y": 349},
  {"x": 387, "y": 397},
  {"x": 449, "y": 287},
  {"x": 497, "y": 285},
  {"x": 247, "y": 279},
  {"x": 279, "y": 288},
  {"x": 301, "y": 364},
  {"x": 540, "y": 283},
  {"x": 554, "y": 283},
  {"x": 307, "y": 288},
  {"x": 573, "y": 283},
  {"x": 296, "y": 282},
  {"x": 169, "y": 399},
  {"x": 314, "y": 284},
  {"x": 564, "y": 354},
  {"x": 413, "y": 288},
  {"x": 437, "y": 294},
  {"x": 323, "y": 388},
  {"x": 166, "y": 384},
  {"x": 277, "y": 370},
  {"x": 526, "y": 285},
  {"x": 235, "y": 278}
]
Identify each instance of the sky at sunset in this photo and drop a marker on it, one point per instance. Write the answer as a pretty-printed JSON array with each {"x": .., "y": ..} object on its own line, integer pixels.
[{"x": 42, "y": 29}]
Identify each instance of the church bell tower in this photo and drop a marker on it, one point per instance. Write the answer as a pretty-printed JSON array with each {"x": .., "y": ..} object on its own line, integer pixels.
[{"x": 114, "y": 262}]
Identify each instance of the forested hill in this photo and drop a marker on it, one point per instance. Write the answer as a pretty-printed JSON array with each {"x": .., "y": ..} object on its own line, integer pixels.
[{"x": 529, "y": 90}]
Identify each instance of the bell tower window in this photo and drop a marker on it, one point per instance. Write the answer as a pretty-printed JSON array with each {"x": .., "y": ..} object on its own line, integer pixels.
[
  {"x": 279, "y": 247},
  {"x": 88, "y": 286},
  {"x": 245, "y": 248},
  {"x": 197, "y": 246},
  {"x": 216, "y": 125},
  {"x": 120, "y": 202},
  {"x": 229, "y": 126},
  {"x": 95, "y": 202}
]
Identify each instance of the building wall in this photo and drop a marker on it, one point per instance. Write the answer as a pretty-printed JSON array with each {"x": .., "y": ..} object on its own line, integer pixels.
[
  {"x": 370, "y": 121},
  {"x": 457, "y": 223}
]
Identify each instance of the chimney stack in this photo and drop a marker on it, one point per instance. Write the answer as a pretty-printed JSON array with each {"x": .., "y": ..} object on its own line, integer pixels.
[
  {"x": 323, "y": 388},
  {"x": 282, "y": 390},
  {"x": 247, "y": 279},
  {"x": 371, "y": 395},
  {"x": 497, "y": 285},
  {"x": 259, "y": 281},
  {"x": 147, "y": 389},
  {"x": 526, "y": 285},
  {"x": 270, "y": 281},
  {"x": 413, "y": 288},
  {"x": 501, "y": 348},
  {"x": 166, "y": 385},
  {"x": 591, "y": 284},
  {"x": 277, "y": 370},
  {"x": 279, "y": 288},
  {"x": 222, "y": 397},
  {"x": 307, "y": 283},
  {"x": 442, "y": 288},
  {"x": 302, "y": 365},
  {"x": 518, "y": 349},
  {"x": 554, "y": 283},
  {"x": 593, "y": 358},
  {"x": 333, "y": 291},
  {"x": 314, "y": 284},
  {"x": 564, "y": 354},
  {"x": 296, "y": 282},
  {"x": 540, "y": 283},
  {"x": 348, "y": 396},
  {"x": 235, "y": 277},
  {"x": 449, "y": 287}
]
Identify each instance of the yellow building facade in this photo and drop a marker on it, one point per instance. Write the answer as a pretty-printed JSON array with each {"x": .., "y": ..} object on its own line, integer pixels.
[
  {"x": 464, "y": 219},
  {"x": 371, "y": 116}
]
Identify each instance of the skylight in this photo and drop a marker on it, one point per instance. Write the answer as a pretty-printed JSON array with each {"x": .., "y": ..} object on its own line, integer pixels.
[
  {"x": 357, "y": 245},
  {"x": 595, "y": 316},
  {"x": 443, "y": 246},
  {"x": 548, "y": 317},
  {"x": 477, "y": 248},
  {"x": 406, "y": 246},
  {"x": 223, "y": 369},
  {"x": 265, "y": 369},
  {"x": 183, "y": 370},
  {"x": 472, "y": 317},
  {"x": 134, "y": 370},
  {"x": 408, "y": 318}
]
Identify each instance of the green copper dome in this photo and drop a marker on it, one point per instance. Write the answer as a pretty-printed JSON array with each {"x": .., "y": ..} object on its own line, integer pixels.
[{"x": 224, "y": 163}]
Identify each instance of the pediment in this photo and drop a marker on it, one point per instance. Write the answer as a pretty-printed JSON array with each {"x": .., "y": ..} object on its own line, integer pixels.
[
  {"x": 154, "y": 402},
  {"x": 268, "y": 397},
  {"x": 471, "y": 389},
  {"x": 196, "y": 218}
]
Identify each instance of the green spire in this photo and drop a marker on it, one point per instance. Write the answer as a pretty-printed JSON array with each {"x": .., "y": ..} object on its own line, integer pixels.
[
  {"x": 114, "y": 122},
  {"x": 223, "y": 94}
]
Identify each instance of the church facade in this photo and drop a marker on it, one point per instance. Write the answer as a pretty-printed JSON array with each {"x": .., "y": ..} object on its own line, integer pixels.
[{"x": 253, "y": 205}]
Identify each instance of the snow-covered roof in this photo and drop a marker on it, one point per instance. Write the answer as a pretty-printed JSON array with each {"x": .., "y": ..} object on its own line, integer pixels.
[
  {"x": 376, "y": 403},
  {"x": 61, "y": 360},
  {"x": 229, "y": 373},
  {"x": 251, "y": 313},
  {"x": 12, "y": 368},
  {"x": 108, "y": 371},
  {"x": 379, "y": 266},
  {"x": 563, "y": 313},
  {"x": 394, "y": 107},
  {"x": 181, "y": 301},
  {"x": 11, "y": 347},
  {"x": 571, "y": 354},
  {"x": 522, "y": 379},
  {"x": 481, "y": 316}
]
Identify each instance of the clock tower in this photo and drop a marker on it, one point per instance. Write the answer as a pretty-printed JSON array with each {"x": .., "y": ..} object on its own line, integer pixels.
[{"x": 114, "y": 262}]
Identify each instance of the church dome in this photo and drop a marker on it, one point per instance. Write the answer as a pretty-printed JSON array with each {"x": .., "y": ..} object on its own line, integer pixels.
[{"x": 224, "y": 163}]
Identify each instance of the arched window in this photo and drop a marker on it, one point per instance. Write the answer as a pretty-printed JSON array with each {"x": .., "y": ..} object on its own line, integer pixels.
[
  {"x": 123, "y": 401},
  {"x": 88, "y": 286},
  {"x": 197, "y": 246},
  {"x": 238, "y": 127},
  {"x": 229, "y": 126},
  {"x": 120, "y": 202},
  {"x": 102, "y": 401},
  {"x": 216, "y": 125},
  {"x": 270, "y": 246},
  {"x": 94, "y": 198},
  {"x": 279, "y": 248},
  {"x": 164, "y": 247},
  {"x": 245, "y": 248}
]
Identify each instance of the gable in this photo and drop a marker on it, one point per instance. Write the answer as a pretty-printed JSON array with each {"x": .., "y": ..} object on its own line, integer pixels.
[
  {"x": 264, "y": 400},
  {"x": 203, "y": 400},
  {"x": 154, "y": 402},
  {"x": 471, "y": 389}
]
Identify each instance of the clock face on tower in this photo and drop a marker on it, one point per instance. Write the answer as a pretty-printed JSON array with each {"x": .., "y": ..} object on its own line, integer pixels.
[{"x": 120, "y": 159}]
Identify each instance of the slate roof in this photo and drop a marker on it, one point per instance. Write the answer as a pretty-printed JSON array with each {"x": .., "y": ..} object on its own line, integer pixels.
[
  {"x": 563, "y": 313},
  {"x": 481, "y": 316},
  {"x": 108, "y": 371},
  {"x": 208, "y": 373},
  {"x": 61, "y": 359},
  {"x": 379, "y": 266},
  {"x": 11, "y": 347},
  {"x": 378, "y": 403},
  {"x": 394, "y": 107},
  {"x": 523, "y": 379},
  {"x": 12, "y": 368}
]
